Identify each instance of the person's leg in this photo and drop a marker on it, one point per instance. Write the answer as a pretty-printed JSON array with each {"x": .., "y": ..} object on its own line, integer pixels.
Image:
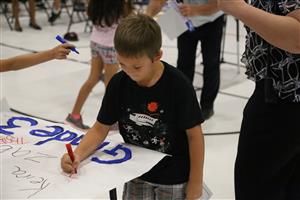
[
  {"x": 294, "y": 184},
  {"x": 265, "y": 163},
  {"x": 211, "y": 46},
  {"x": 16, "y": 10},
  {"x": 187, "y": 46},
  {"x": 138, "y": 189},
  {"x": 93, "y": 79},
  {"x": 74, "y": 118},
  {"x": 32, "y": 22},
  {"x": 111, "y": 64},
  {"x": 57, "y": 5},
  {"x": 55, "y": 11},
  {"x": 110, "y": 70}
]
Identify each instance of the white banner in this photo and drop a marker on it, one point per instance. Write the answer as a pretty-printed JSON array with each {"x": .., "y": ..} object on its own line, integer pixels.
[{"x": 30, "y": 152}]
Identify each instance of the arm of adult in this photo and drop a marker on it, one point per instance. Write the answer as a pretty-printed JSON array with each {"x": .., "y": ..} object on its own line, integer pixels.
[
  {"x": 154, "y": 7},
  {"x": 95, "y": 136},
  {"x": 191, "y": 10},
  {"x": 196, "y": 151},
  {"x": 280, "y": 31},
  {"x": 27, "y": 60}
]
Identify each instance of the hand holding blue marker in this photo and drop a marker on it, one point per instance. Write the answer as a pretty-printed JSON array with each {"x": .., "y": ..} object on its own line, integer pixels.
[
  {"x": 186, "y": 20},
  {"x": 64, "y": 41}
]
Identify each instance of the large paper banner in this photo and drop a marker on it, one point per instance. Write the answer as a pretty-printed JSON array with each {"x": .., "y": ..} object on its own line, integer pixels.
[{"x": 30, "y": 152}]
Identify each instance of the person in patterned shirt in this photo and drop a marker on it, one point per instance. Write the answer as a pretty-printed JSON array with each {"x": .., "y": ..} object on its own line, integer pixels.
[{"x": 268, "y": 159}]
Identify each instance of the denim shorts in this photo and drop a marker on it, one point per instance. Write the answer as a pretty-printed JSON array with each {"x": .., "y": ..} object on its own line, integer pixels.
[
  {"x": 108, "y": 54},
  {"x": 142, "y": 190}
]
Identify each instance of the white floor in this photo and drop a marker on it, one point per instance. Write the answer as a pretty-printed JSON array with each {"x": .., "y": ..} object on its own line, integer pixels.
[{"x": 49, "y": 90}]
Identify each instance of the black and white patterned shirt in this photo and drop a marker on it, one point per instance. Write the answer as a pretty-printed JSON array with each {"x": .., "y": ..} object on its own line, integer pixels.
[{"x": 285, "y": 66}]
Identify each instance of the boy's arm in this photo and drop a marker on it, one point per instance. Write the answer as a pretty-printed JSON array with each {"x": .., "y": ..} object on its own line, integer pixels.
[
  {"x": 280, "y": 31},
  {"x": 201, "y": 9},
  {"x": 27, "y": 60},
  {"x": 154, "y": 7},
  {"x": 196, "y": 151},
  {"x": 95, "y": 136}
]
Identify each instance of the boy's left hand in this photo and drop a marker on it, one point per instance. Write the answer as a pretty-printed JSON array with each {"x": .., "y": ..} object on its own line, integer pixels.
[{"x": 193, "y": 190}]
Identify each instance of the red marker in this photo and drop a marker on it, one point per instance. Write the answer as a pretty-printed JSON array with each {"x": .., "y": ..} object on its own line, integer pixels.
[{"x": 71, "y": 154}]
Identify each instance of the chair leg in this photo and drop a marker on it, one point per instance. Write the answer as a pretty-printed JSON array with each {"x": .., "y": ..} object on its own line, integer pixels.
[
  {"x": 4, "y": 10},
  {"x": 71, "y": 21}
]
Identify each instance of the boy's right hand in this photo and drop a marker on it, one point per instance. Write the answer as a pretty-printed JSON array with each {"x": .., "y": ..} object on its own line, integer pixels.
[{"x": 67, "y": 165}]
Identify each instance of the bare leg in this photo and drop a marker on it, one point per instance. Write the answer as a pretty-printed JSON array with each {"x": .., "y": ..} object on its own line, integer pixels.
[
  {"x": 32, "y": 11},
  {"x": 32, "y": 22},
  {"x": 93, "y": 79},
  {"x": 57, "y": 5},
  {"x": 110, "y": 70},
  {"x": 55, "y": 11},
  {"x": 16, "y": 10}
]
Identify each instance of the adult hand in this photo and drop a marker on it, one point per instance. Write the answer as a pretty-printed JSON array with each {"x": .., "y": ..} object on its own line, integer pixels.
[
  {"x": 61, "y": 51},
  {"x": 188, "y": 10}
]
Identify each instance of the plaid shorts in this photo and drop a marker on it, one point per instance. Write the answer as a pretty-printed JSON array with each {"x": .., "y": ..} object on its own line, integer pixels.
[
  {"x": 142, "y": 190},
  {"x": 108, "y": 54}
]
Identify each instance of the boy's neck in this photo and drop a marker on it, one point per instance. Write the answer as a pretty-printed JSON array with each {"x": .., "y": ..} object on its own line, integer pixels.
[{"x": 158, "y": 69}]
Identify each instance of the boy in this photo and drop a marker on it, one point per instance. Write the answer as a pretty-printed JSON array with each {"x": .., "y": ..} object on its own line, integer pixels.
[{"x": 156, "y": 108}]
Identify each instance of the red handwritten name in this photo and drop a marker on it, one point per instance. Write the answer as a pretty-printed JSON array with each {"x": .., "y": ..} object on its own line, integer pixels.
[{"x": 11, "y": 140}]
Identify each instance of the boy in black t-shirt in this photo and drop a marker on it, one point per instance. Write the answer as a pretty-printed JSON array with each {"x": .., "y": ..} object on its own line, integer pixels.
[{"x": 156, "y": 108}]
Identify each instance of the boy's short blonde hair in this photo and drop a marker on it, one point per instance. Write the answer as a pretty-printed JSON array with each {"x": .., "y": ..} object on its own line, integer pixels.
[{"x": 138, "y": 35}]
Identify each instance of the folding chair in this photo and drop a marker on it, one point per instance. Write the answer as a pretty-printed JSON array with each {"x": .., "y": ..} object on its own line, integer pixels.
[
  {"x": 43, "y": 5},
  {"x": 237, "y": 44},
  {"x": 5, "y": 6},
  {"x": 5, "y": 11},
  {"x": 80, "y": 9}
]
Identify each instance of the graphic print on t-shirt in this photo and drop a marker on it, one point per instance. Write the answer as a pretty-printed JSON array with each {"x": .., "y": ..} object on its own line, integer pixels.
[{"x": 144, "y": 127}]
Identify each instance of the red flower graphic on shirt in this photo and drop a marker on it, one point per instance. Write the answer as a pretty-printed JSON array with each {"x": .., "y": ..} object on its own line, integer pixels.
[{"x": 152, "y": 107}]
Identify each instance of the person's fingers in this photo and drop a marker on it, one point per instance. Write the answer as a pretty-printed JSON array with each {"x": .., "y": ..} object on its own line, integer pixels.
[
  {"x": 65, "y": 51},
  {"x": 68, "y": 45},
  {"x": 66, "y": 164},
  {"x": 185, "y": 11},
  {"x": 75, "y": 164}
]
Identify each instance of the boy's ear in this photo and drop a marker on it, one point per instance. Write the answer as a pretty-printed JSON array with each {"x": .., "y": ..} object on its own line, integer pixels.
[{"x": 158, "y": 56}]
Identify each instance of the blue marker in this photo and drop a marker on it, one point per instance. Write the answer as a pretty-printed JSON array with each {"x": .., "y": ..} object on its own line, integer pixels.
[{"x": 64, "y": 41}]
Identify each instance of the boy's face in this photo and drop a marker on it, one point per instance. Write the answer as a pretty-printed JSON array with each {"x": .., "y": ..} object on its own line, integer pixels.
[{"x": 140, "y": 69}]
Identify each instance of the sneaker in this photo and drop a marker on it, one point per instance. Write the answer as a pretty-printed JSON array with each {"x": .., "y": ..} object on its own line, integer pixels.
[
  {"x": 76, "y": 123},
  {"x": 207, "y": 113},
  {"x": 53, "y": 17}
]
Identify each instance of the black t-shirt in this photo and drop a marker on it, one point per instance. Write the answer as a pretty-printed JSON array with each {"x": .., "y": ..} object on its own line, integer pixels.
[{"x": 155, "y": 118}]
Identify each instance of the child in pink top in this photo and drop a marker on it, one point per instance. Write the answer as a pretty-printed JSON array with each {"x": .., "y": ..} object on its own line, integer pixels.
[{"x": 105, "y": 15}]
